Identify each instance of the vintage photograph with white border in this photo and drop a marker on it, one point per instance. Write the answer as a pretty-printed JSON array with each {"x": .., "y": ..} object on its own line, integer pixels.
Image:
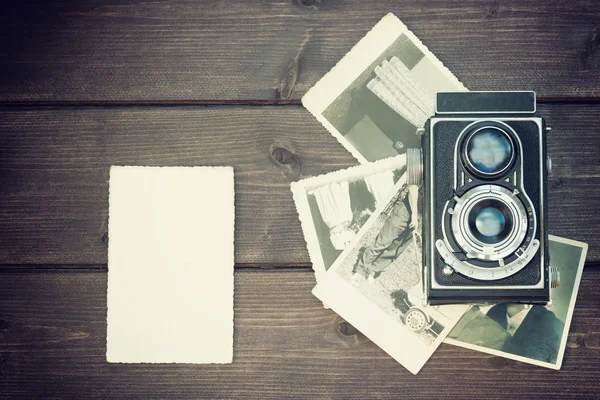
[
  {"x": 376, "y": 283},
  {"x": 334, "y": 206},
  {"x": 531, "y": 334},
  {"x": 377, "y": 96}
]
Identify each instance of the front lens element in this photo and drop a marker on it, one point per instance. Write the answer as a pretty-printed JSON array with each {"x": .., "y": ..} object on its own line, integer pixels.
[
  {"x": 489, "y": 151},
  {"x": 490, "y": 221}
]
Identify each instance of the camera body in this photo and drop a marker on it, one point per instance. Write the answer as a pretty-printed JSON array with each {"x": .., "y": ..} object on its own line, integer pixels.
[{"x": 485, "y": 170}]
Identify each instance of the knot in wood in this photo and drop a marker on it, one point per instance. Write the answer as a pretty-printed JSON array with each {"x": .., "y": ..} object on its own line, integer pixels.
[
  {"x": 493, "y": 11},
  {"x": 287, "y": 160},
  {"x": 591, "y": 45},
  {"x": 556, "y": 183},
  {"x": 346, "y": 329},
  {"x": 310, "y": 4},
  {"x": 501, "y": 362},
  {"x": 289, "y": 78}
]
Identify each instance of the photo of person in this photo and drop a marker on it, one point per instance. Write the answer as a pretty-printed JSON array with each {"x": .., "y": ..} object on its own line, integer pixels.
[
  {"x": 534, "y": 334},
  {"x": 385, "y": 265},
  {"x": 339, "y": 209},
  {"x": 333, "y": 207},
  {"x": 376, "y": 282},
  {"x": 396, "y": 230}
]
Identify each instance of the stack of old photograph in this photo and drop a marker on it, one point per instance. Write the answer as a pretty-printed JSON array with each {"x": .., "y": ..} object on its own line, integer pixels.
[{"x": 363, "y": 225}]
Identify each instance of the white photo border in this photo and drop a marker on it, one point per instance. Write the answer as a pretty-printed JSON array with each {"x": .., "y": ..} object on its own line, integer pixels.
[{"x": 343, "y": 74}]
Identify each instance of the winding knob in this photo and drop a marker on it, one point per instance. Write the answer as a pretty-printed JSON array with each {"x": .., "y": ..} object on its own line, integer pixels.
[{"x": 414, "y": 166}]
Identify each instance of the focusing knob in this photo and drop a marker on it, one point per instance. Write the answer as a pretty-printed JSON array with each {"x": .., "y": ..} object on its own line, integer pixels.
[
  {"x": 549, "y": 165},
  {"x": 554, "y": 277},
  {"x": 414, "y": 166}
]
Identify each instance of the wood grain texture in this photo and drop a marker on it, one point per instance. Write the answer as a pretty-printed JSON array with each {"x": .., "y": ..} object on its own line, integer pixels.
[
  {"x": 182, "y": 49},
  {"x": 54, "y": 169},
  {"x": 52, "y": 345}
]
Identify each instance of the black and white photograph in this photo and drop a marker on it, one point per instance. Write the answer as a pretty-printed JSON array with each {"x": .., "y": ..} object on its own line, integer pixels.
[
  {"x": 376, "y": 283},
  {"x": 301, "y": 199},
  {"x": 395, "y": 79},
  {"x": 333, "y": 207},
  {"x": 532, "y": 334}
]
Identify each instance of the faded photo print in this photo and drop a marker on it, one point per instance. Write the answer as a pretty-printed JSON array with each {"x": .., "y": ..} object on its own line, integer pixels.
[
  {"x": 340, "y": 209},
  {"x": 333, "y": 207},
  {"x": 385, "y": 266},
  {"x": 373, "y": 114},
  {"x": 391, "y": 92},
  {"x": 376, "y": 282},
  {"x": 535, "y": 334}
]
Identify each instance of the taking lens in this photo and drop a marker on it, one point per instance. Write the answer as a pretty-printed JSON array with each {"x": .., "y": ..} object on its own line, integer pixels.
[
  {"x": 490, "y": 221},
  {"x": 489, "y": 151}
]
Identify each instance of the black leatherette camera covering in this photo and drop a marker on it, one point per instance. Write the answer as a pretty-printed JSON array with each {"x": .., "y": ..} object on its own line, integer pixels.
[{"x": 445, "y": 134}]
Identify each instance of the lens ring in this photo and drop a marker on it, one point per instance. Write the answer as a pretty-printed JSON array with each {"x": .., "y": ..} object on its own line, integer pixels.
[
  {"x": 488, "y": 151},
  {"x": 481, "y": 242},
  {"x": 478, "y": 245}
]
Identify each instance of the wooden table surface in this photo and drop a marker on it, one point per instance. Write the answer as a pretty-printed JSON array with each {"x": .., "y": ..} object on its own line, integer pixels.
[{"x": 91, "y": 83}]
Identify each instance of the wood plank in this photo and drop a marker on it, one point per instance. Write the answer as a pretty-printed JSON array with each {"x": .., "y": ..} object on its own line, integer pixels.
[
  {"x": 110, "y": 50},
  {"x": 54, "y": 167},
  {"x": 52, "y": 344}
]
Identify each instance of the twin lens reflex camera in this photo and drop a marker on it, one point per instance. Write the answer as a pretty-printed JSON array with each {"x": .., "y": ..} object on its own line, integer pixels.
[{"x": 485, "y": 169}]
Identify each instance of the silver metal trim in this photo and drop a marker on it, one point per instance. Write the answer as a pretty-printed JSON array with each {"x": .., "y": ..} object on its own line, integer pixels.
[
  {"x": 491, "y": 112},
  {"x": 470, "y": 243},
  {"x": 486, "y": 274},
  {"x": 538, "y": 121}
]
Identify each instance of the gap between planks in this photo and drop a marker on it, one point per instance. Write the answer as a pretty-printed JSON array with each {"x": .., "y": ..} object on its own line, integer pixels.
[{"x": 208, "y": 103}]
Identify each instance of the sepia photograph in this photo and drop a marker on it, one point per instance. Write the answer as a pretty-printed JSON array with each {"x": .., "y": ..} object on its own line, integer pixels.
[
  {"x": 532, "y": 334},
  {"x": 394, "y": 81},
  {"x": 376, "y": 283},
  {"x": 333, "y": 207}
]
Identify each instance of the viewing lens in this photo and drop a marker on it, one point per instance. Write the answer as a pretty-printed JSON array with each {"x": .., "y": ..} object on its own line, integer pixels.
[
  {"x": 489, "y": 151},
  {"x": 490, "y": 221}
]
